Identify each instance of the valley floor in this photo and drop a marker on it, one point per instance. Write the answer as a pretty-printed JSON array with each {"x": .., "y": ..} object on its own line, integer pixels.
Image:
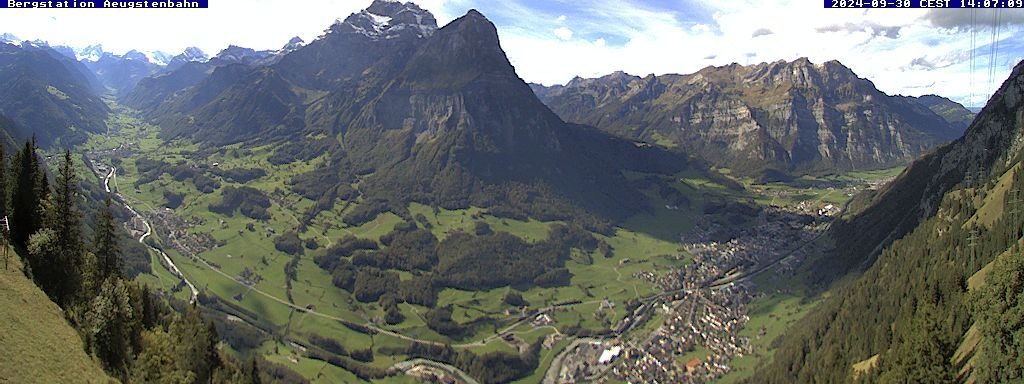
[{"x": 668, "y": 300}]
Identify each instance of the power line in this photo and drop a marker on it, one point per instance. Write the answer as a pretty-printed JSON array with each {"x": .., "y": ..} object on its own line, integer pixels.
[
  {"x": 972, "y": 243},
  {"x": 974, "y": 45},
  {"x": 995, "y": 48}
]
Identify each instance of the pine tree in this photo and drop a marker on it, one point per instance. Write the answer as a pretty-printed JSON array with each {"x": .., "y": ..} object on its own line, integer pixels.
[
  {"x": 108, "y": 318},
  {"x": 105, "y": 245},
  {"x": 197, "y": 345},
  {"x": 25, "y": 198},
  {"x": 1000, "y": 309},
  {"x": 254, "y": 371},
  {"x": 66, "y": 223}
]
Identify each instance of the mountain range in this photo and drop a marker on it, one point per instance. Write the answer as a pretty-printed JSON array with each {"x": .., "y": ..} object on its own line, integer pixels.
[
  {"x": 425, "y": 114},
  {"x": 764, "y": 120},
  {"x": 396, "y": 110},
  {"x": 44, "y": 94}
]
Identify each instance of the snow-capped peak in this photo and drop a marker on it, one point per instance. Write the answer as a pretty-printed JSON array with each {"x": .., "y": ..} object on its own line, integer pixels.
[
  {"x": 293, "y": 44},
  {"x": 158, "y": 57},
  {"x": 9, "y": 39},
  {"x": 193, "y": 54},
  {"x": 387, "y": 19},
  {"x": 92, "y": 53},
  {"x": 135, "y": 55}
]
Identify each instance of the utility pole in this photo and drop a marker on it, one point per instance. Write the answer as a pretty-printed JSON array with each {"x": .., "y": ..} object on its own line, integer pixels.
[{"x": 1014, "y": 201}]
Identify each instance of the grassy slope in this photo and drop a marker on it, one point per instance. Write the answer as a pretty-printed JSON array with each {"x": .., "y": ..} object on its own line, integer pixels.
[{"x": 39, "y": 346}]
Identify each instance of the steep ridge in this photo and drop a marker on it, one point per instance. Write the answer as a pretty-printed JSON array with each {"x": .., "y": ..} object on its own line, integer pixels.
[
  {"x": 954, "y": 113},
  {"x": 915, "y": 195},
  {"x": 150, "y": 92},
  {"x": 920, "y": 241},
  {"x": 421, "y": 114},
  {"x": 46, "y": 99},
  {"x": 790, "y": 117}
]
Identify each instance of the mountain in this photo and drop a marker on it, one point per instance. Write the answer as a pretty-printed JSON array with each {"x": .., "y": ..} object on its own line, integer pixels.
[
  {"x": 159, "y": 57},
  {"x": 45, "y": 97},
  {"x": 91, "y": 53},
  {"x": 238, "y": 55},
  {"x": 121, "y": 73},
  {"x": 9, "y": 39},
  {"x": 955, "y": 114},
  {"x": 39, "y": 344},
  {"x": 293, "y": 44},
  {"x": 191, "y": 54},
  {"x": 935, "y": 291},
  {"x": 7, "y": 131},
  {"x": 150, "y": 92},
  {"x": 66, "y": 56},
  {"x": 759, "y": 120},
  {"x": 420, "y": 114}
]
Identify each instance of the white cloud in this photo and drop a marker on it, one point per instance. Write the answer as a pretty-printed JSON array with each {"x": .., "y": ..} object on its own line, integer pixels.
[
  {"x": 563, "y": 33},
  {"x": 561, "y": 19},
  {"x": 878, "y": 45}
]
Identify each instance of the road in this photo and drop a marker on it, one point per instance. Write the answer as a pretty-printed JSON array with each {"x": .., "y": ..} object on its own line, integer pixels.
[
  {"x": 409, "y": 364},
  {"x": 168, "y": 263},
  {"x": 106, "y": 180}
]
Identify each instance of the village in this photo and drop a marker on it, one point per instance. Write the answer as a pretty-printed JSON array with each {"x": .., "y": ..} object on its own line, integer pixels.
[{"x": 704, "y": 304}]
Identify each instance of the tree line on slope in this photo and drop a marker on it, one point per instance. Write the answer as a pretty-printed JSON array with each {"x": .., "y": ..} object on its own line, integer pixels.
[
  {"x": 913, "y": 307},
  {"x": 132, "y": 331}
]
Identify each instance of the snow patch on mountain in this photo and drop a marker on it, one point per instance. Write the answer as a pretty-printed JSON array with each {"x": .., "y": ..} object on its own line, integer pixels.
[
  {"x": 92, "y": 53},
  {"x": 388, "y": 19},
  {"x": 9, "y": 39}
]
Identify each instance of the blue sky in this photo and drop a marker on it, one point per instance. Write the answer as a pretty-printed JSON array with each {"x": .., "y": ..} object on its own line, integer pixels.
[{"x": 903, "y": 51}]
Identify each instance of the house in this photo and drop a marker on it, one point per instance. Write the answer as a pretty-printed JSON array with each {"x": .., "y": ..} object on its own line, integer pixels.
[{"x": 692, "y": 365}]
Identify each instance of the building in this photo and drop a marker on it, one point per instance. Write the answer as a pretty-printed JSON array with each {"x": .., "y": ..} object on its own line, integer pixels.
[{"x": 609, "y": 355}]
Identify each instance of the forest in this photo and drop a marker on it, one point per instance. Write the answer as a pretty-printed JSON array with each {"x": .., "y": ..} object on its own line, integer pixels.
[
  {"x": 915, "y": 305},
  {"x": 476, "y": 261}
]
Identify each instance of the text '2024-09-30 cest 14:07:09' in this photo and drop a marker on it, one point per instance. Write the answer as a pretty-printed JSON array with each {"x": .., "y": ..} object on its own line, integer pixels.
[{"x": 904, "y": 4}]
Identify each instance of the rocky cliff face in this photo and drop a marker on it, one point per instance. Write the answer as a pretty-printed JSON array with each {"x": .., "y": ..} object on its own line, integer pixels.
[
  {"x": 784, "y": 116},
  {"x": 418, "y": 113}
]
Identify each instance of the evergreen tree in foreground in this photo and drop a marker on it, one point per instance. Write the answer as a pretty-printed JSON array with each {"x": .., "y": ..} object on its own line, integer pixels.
[
  {"x": 26, "y": 196},
  {"x": 105, "y": 245},
  {"x": 64, "y": 262}
]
